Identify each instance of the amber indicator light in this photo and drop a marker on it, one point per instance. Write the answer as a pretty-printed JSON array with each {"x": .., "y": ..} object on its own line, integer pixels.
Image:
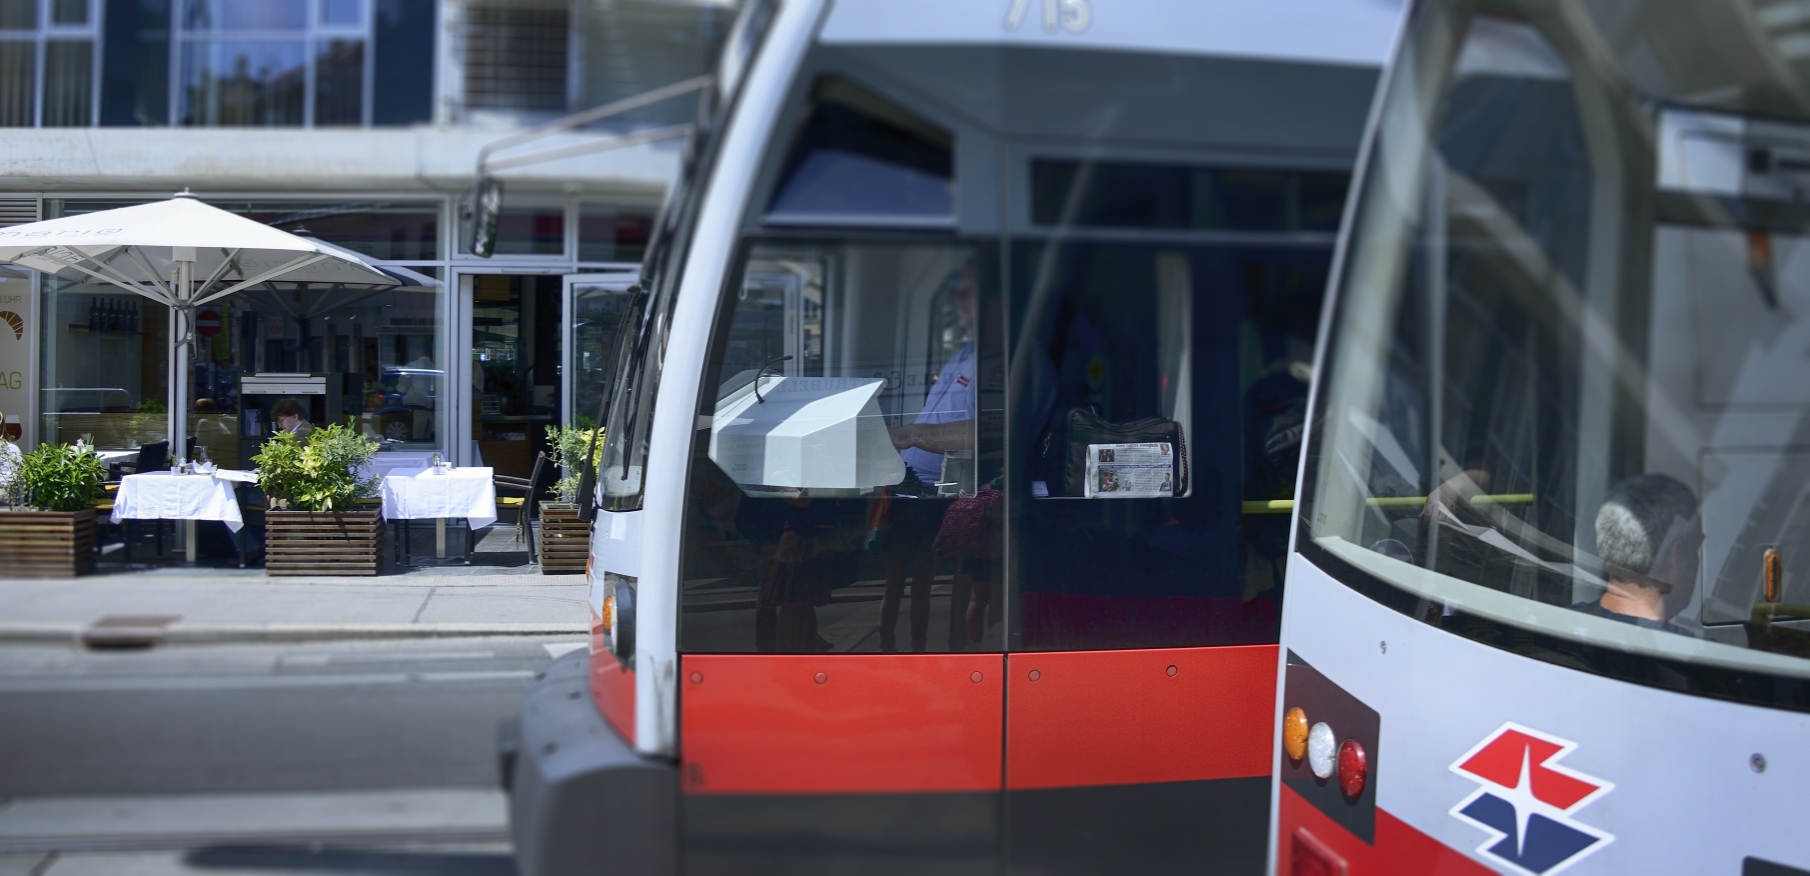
[
  {"x": 1294, "y": 733},
  {"x": 1772, "y": 572}
]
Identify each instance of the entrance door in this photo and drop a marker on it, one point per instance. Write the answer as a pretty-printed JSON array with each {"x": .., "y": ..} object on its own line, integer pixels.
[
  {"x": 594, "y": 306},
  {"x": 1145, "y": 591},
  {"x": 515, "y": 368}
]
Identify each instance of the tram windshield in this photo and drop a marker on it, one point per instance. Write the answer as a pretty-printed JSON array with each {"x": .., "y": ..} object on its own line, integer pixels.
[
  {"x": 1566, "y": 395},
  {"x": 1013, "y": 352}
]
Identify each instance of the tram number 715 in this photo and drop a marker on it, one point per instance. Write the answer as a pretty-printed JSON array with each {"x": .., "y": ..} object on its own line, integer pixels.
[{"x": 1073, "y": 16}]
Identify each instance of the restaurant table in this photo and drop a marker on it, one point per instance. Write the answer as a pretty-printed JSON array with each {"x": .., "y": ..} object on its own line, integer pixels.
[
  {"x": 166, "y": 495},
  {"x": 460, "y": 492}
]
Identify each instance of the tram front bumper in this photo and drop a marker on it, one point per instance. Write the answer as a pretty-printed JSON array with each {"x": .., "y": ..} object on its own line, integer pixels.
[{"x": 582, "y": 800}]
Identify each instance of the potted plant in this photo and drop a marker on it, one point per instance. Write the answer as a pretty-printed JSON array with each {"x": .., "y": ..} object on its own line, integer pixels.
[
  {"x": 48, "y": 527},
  {"x": 315, "y": 524},
  {"x": 565, "y": 538}
]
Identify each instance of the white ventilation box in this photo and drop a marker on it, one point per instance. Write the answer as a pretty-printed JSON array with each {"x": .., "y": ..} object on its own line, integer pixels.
[{"x": 813, "y": 433}]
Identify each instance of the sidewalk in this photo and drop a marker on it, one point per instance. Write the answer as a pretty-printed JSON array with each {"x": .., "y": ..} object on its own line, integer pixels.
[
  {"x": 217, "y": 606},
  {"x": 122, "y": 605},
  {"x": 186, "y": 821}
]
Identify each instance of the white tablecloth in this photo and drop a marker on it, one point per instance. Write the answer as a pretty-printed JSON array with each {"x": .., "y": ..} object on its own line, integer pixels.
[
  {"x": 462, "y": 492},
  {"x": 396, "y": 462},
  {"x": 162, "y": 495}
]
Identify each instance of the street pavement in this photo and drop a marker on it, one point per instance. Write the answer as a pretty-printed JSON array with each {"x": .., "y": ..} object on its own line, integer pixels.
[{"x": 218, "y": 721}]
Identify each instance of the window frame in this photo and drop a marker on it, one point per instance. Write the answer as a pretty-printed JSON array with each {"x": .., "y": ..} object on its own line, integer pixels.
[
  {"x": 44, "y": 32},
  {"x": 312, "y": 35}
]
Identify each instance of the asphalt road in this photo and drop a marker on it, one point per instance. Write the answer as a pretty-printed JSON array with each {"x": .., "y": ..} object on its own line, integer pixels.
[{"x": 350, "y": 757}]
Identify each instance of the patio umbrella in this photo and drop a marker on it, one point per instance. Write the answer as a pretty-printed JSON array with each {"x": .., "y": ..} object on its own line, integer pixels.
[{"x": 181, "y": 253}]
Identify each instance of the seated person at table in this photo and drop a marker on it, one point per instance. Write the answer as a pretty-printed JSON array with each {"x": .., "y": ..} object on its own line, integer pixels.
[{"x": 290, "y": 417}]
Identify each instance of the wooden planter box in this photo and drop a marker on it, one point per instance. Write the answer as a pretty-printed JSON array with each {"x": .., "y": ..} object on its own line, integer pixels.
[
  {"x": 322, "y": 543},
  {"x": 565, "y": 540},
  {"x": 46, "y": 544}
]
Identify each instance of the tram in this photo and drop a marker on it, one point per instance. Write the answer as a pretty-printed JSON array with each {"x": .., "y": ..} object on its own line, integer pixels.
[
  {"x": 943, "y": 499},
  {"x": 1548, "y": 605}
]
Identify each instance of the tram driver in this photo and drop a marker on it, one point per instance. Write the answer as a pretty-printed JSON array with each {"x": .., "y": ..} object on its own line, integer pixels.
[
  {"x": 945, "y": 423},
  {"x": 947, "y": 420},
  {"x": 1650, "y": 541}
]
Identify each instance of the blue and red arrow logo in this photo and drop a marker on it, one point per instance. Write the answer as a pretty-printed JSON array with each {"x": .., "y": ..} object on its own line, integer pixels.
[{"x": 1527, "y": 801}]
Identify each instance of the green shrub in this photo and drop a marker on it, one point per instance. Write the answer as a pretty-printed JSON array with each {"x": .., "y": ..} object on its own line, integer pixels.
[
  {"x": 59, "y": 477},
  {"x": 569, "y": 444},
  {"x": 320, "y": 475}
]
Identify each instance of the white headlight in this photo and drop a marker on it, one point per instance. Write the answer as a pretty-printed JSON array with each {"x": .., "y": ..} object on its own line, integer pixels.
[{"x": 1322, "y": 750}]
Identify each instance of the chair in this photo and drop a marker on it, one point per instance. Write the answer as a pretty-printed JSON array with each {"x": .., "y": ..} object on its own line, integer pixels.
[
  {"x": 540, "y": 479},
  {"x": 151, "y": 457}
]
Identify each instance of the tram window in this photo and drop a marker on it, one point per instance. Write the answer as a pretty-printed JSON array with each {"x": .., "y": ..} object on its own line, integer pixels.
[
  {"x": 847, "y": 464},
  {"x": 858, "y": 154},
  {"x": 1178, "y": 197},
  {"x": 1201, "y": 351},
  {"x": 1563, "y": 404}
]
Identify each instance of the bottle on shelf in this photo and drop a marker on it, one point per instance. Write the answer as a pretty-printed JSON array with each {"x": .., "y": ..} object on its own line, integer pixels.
[{"x": 94, "y": 314}]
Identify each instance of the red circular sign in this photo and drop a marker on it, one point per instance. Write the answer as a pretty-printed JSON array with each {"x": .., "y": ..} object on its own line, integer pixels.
[{"x": 207, "y": 323}]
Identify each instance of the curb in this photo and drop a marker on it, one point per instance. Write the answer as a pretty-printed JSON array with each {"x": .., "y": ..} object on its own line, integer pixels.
[
  {"x": 311, "y": 841},
  {"x": 265, "y": 633}
]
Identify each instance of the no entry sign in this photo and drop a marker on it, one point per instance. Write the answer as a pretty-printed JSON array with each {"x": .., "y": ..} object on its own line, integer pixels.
[{"x": 207, "y": 322}]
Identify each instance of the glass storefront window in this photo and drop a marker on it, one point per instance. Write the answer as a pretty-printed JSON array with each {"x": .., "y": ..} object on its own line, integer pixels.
[
  {"x": 611, "y": 235},
  {"x": 392, "y": 232},
  {"x": 515, "y": 347},
  {"x": 382, "y": 350},
  {"x": 106, "y": 355},
  {"x": 530, "y": 231}
]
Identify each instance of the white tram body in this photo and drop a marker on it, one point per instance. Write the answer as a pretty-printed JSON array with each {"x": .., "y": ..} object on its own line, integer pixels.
[
  {"x": 1549, "y": 567},
  {"x": 943, "y": 502}
]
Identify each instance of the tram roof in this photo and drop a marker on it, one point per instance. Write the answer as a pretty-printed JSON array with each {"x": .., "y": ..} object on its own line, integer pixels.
[{"x": 1339, "y": 32}]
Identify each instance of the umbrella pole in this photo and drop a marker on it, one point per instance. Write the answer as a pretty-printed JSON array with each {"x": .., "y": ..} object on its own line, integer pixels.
[
  {"x": 179, "y": 366},
  {"x": 180, "y": 388},
  {"x": 171, "y": 395}
]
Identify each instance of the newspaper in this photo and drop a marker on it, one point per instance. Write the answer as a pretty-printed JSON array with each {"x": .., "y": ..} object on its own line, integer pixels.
[{"x": 1130, "y": 471}]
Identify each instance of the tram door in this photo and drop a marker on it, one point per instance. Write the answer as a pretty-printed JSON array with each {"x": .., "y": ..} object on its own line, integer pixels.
[{"x": 1157, "y": 397}]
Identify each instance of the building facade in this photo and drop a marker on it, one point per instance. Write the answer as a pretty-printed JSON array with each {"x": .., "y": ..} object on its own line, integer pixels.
[{"x": 361, "y": 123}]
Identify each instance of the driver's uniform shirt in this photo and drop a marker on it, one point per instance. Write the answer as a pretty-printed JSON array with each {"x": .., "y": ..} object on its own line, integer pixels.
[{"x": 951, "y": 400}]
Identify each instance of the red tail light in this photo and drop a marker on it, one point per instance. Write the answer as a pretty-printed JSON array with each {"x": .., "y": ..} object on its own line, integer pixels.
[{"x": 1354, "y": 768}]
